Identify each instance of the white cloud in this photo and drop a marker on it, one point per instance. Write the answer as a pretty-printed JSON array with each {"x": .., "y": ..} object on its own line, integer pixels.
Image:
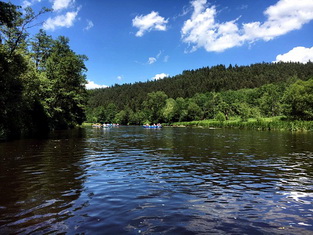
[
  {"x": 159, "y": 54},
  {"x": 160, "y": 76},
  {"x": 119, "y": 78},
  {"x": 283, "y": 17},
  {"x": 28, "y": 3},
  {"x": 92, "y": 85},
  {"x": 297, "y": 54},
  {"x": 202, "y": 30},
  {"x": 61, "y": 4},
  {"x": 66, "y": 20},
  {"x": 166, "y": 58},
  {"x": 89, "y": 25},
  {"x": 149, "y": 22},
  {"x": 152, "y": 60}
]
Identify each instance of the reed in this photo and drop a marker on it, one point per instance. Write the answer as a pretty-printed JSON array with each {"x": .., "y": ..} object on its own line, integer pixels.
[{"x": 273, "y": 123}]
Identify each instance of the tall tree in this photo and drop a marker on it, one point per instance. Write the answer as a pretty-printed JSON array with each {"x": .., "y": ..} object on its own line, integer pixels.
[
  {"x": 41, "y": 46},
  {"x": 65, "y": 72}
]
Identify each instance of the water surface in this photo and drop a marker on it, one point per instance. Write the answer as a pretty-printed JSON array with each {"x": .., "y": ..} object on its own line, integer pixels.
[{"x": 130, "y": 180}]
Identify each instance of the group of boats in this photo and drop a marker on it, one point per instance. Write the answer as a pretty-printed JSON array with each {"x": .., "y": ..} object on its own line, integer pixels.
[
  {"x": 99, "y": 125},
  {"x": 154, "y": 126}
]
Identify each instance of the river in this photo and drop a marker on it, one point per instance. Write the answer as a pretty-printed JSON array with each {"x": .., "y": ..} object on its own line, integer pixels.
[{"x": 131, "y": 180}]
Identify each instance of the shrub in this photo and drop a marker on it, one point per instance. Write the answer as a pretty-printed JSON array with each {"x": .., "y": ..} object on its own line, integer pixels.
[{"x": 220, "y": 117}]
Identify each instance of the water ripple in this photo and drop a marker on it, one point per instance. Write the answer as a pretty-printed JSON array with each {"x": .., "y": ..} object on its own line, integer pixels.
[{"x": 130, "y": 180}]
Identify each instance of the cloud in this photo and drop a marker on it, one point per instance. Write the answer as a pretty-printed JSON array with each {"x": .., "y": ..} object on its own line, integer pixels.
[
  {"x": 89, "y": 25},
  {"x": 92, "y": 85},
  {"x": 166, "y": 58},
  {"x": 152, "y": 60},
  {"x": 285, "y": 16},
  {"x": 119, "y": 78},
  {"x": 61, "y": 4},
  {"x": 160, "y": 76},
  {"x": 66, "y": 20},
  {"x": 149, "y": 22},
  {"x": 28, "y": 3},
  {"x": 297, "y": 54},
  {"x": 202, "y": 30}
]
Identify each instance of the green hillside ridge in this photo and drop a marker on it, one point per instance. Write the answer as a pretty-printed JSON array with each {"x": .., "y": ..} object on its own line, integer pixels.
[{"x": 255, "y": 91}]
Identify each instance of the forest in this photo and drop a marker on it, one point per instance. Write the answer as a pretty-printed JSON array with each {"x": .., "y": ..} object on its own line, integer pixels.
[
  {"x": 42, "y": 80},
  {"x": 255, "y": 91}
]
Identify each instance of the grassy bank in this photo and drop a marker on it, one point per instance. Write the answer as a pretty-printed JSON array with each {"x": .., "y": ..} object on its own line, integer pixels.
[
  {"x": 274, "y": 123},
  {"x": 85, "y": 124}
]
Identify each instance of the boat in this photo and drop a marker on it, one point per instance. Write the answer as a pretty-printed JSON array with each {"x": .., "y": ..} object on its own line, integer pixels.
[{"x": 158, "y": 126}]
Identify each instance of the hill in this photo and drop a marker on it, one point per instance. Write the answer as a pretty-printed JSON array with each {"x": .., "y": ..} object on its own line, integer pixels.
[{"x": 217, "y": 78}]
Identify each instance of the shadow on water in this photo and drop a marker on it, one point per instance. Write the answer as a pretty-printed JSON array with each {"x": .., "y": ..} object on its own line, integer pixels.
[
  {"x": 40, "y": 179},
  {"x": 131, "y": 180}
]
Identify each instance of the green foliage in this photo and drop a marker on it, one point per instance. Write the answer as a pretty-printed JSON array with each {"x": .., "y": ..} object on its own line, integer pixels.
[
  {"x": 153, "y": 106},
  {"x": 299, "y": 100},
  {"x": 216, "y": 79},
  {"x": 265, "y": 101},
  {"x": 220, "y": 117},
  {"x": 65, "y": 70},
  {"x": 265, "y": 124},
  {"x": 121, "y": 117},
  {"x": 42, "y": 86},
  {"x": 8, "y": 14},
  {"x": 270, "y": 100},
  {"x": 170, "y": 110},
  {"x": 194, "y": 112},
  {"x": 41, "y": 46},
  {"x": 253, "y": 91}
]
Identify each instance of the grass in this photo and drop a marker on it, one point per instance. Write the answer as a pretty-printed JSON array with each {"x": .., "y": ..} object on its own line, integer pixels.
[
  {"x": 272, "y": 123},
  {"x": 87, "y": 124}
]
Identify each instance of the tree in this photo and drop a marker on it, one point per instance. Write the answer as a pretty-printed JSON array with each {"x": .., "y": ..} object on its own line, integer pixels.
[
  {"x": 244, "y": 111},
  {"x": 67, "y": 96},
  {"x": 270, "y": 100},
  {"x": 110, "y": 113},
  {"x": 14, "y": 25},
  {"x": 154, "y": 104},
  {"x": 121, "y": 117},
  {"x": 193, "y": 111},
  {"x": 11, "y": 92},
  {"x": 41, "y": 46},
  {"x": 169, "y": 110},
  {"x": 298, "y": 100},
  {"x": 20, "y": 85},
  {"x": 8, "y": 13},
  {"x": 181, "y": 109}
]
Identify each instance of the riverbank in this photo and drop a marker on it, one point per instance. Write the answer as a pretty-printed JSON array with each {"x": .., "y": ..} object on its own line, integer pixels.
[{"x": 273, "y": 123}]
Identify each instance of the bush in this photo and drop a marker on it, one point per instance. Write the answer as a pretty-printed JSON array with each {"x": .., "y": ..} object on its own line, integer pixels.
[{"x": 220, "y": 117}]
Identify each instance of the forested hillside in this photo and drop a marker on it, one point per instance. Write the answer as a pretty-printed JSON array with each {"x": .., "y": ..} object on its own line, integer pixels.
[
  {"x": 255, "y": 90},
  {"x": 42, "y": 81}
]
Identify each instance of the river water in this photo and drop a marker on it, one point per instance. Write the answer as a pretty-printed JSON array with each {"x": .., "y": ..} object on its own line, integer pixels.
[{"x": 131, "y": 180}]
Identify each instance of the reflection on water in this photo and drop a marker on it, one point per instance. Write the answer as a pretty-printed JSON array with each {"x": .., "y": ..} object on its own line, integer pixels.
[{"x": 131, "y": 180}]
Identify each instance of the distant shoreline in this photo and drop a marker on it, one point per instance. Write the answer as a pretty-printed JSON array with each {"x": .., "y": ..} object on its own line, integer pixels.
[{"x": 274, "y": 123}]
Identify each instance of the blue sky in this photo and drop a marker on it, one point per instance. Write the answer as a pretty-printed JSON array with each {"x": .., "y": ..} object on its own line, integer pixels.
[{"x": 129, "y": 41}]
